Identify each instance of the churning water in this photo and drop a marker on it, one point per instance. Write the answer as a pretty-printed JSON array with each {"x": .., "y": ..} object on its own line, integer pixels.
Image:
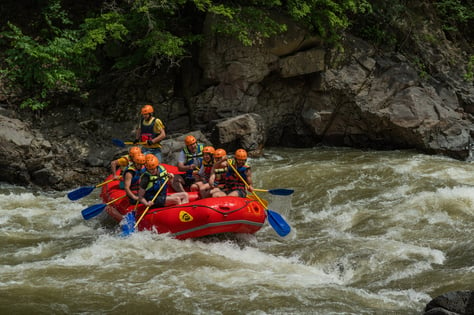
[{"x": 372, "y": 233}]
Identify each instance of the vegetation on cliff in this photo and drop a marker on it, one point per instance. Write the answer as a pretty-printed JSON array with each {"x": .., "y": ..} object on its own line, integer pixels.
[{"x": 63, "y": 45}]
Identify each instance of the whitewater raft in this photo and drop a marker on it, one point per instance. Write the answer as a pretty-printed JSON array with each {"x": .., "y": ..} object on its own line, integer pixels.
[{"x": 199, "y": 217}]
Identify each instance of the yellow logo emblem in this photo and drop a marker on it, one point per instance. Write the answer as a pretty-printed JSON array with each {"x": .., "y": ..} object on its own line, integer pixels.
[{"x": 185, "y": 217}]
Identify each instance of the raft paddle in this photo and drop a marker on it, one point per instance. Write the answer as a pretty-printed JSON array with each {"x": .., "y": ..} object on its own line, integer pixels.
[
  {"x": 122, "y": 144},
  {"x": 84, "y": 191},
  {"x": 129, "y": 225},
  {"x": 277, "y": 191},
  {"x": 265, "y": 202},
  {"x": 152, "y": 201},
  {"x": 92, "y": 211},
  {"x": 275, "y": 219}
]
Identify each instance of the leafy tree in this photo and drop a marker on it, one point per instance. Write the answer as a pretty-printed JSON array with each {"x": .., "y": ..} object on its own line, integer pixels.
[
  {"x": 326, "y": 17},
  {"x": 63, "y": 58},
  {"x": 456, "y": 15},
  {"x": 51, "y": 63}
]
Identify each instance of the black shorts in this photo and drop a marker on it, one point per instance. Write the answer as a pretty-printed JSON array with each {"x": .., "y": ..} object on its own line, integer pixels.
[
  {"x": 159, "y": 202},
  {"x": 188, "y": 181},
  {"x": 242, "y": 193}
]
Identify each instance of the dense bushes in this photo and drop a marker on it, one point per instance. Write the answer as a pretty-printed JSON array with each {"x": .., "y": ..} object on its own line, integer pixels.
[{"x": 62, "y": 56}]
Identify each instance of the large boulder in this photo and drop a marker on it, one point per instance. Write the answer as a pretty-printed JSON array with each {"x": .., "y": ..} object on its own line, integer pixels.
[
  {"x": 15, "y": 140},
  {"x": 451, "y": 303},
  {"x": 383, "y": 102},
  {"x": 244, "y": 131}
]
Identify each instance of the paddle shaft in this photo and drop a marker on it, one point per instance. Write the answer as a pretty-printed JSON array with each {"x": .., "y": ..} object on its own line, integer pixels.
[
  {"x": 246, "y": 185},
  {"x": 114, "y": 200},
  {"x": 276, "y": 220},
  {"x": 104, "y": 183},
  {"x": 84, "y": 191},
  {"x": 95, "y": 210},
  {"x": 130, "y": 142},
  {"x": 122, "y": 144},
  {"x": 152, "y": 201}
]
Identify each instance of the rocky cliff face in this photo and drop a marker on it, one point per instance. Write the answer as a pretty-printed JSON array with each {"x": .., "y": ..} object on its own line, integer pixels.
[
  {"x": 361, "y": 98},
  {"x": 298, "y": 93}
]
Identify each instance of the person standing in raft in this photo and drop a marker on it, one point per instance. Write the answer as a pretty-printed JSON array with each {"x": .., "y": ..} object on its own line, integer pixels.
[
  {"x": 202, "y": 178},
  {"x": 190, "y": 162},
  {"x": 130, "y": 181},
  {"x": 151, "y": 182},
  {"x": 151, "y": 131},
  {"x": 124, "y": 161}
]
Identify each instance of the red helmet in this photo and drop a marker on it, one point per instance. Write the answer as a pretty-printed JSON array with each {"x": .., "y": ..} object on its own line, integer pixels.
[
  {"x": 151, "y": 161},
  {"x": 240, "y": 154},
  {"x": 219, "y": 153},
  {"x": 190, "y": 140},
  {"x": 139, "y": 158},
  {"x": 147, "y": 109},
  {"x": 208, "y": 149}
]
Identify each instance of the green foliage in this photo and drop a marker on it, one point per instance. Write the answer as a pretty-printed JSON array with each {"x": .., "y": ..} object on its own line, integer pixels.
[
  {"x": 140, "y": 34},
  {"x": 379, "y": 25},
  {"x": 389, "y": 23},
  {"x": 469, "y": 76},
  {"x": 43, "y": 68},
  {"x": 455, "y": 15},
  {"x": 96, "y": 31},
  {"x": 326, "y": 17},
  {"x": 49, "y": 65},
  {"x": 54, "y": 12},
  {"x": 422, "y": 70},
  {"x": 250, "y": 25},
  {"x": 34, "y": 103}
]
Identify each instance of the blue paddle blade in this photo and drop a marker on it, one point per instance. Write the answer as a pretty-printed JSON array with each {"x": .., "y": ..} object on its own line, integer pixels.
[
  {"x": 80, "y": 192},
  {"x": 278, "y": 223},
  {"x": 128, "y": 226},
  {"x": 93, "y": 211},
  {"x": 118, "y": 143},
  {"x": 281, "y": 191}
]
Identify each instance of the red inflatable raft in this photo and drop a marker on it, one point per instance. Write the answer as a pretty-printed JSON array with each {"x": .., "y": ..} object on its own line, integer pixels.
[{"x": 199, "y": 217}]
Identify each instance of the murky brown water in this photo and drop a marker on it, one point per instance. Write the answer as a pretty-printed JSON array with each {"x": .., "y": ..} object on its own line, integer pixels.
[{"x": 373, "y": 233}]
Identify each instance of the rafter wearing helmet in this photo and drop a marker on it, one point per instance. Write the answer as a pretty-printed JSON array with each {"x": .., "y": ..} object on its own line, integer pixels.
[
  {"x": 150, "y": 183},
  {"x": 226, "y": 181},
  {"x": 217, "y": 177},
  {"x": 151, "y": 131},
  {"x": 124, "y": 161},
  {"x": 190, "y": 162},
  {"x": 202, "y": 179},
  {"x": 234, "y": 186}
]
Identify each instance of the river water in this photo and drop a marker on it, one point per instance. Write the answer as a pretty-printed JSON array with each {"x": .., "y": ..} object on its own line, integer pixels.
[{"x": 372, "y": 233}]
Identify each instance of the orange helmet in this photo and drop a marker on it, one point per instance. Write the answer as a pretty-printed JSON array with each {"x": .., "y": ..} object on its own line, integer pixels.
[
  {"x": 240, "y": 154},
  {"x": 139, "y": 158},
  {"x": 147, "y": 109},
  {"x": 219, "y": 153},
  {"x": 151, "y": 161},
  {"x": 208, "y": 149},
  {"x": 134, "y": 151},
  {"x": 149, "y": 156},
  {"x": 190, "y": 140}
]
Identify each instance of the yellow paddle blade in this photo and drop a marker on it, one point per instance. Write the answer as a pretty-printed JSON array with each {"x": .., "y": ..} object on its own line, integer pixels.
[{"x": 265, "y": 203}]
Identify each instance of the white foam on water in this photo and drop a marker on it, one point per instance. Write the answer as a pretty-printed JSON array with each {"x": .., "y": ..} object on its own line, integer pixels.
[{"x": 370, "y": 230}]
